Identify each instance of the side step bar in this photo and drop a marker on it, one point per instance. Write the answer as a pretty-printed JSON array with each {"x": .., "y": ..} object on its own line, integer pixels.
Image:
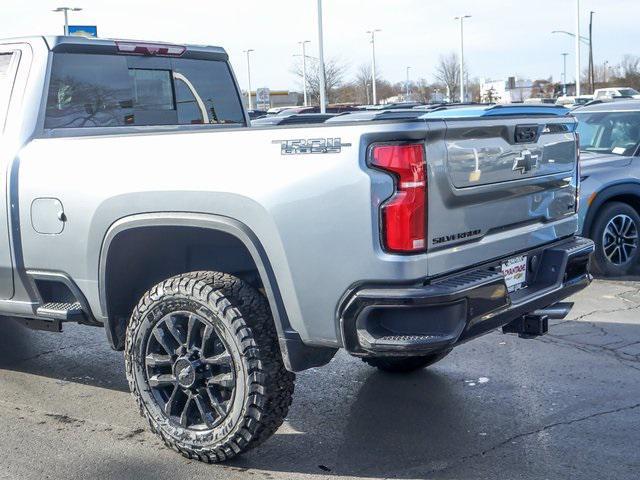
[{"x": 63, "y": 312}]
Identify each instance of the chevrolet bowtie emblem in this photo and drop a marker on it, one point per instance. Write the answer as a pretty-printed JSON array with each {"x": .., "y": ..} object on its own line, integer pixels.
[{"x": 526, "y": 162}]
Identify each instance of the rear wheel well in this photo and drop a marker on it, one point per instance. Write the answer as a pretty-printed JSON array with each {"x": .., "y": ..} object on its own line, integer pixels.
[{"x": 141, "y": 257}]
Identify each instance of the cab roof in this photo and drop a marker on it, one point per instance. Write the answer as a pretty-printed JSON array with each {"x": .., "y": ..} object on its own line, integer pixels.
[{"x": 75, "y": 44}]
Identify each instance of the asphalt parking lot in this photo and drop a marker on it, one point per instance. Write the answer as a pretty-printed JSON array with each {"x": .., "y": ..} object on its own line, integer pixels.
[{"x": 566, "y": 405}]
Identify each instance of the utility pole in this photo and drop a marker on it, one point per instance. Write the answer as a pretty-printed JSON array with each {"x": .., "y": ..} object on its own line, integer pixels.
[
  {"x": 591, "y": 72},
  {"x": 462, "y": 55},
  {"x": 408, "y": 68},
  {"x": 249, "y": 78},
  {"x": 373, "y": 63},
  {"x": 564, "y": 73},
  {"x": 66, "y": 11},
  {"x": 577, "y": 38},
  {"x": 304, "y": 70},
  {"x": 323, "y": 78}
]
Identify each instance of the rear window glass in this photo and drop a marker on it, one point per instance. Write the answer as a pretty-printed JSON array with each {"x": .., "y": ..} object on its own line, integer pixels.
[
  {"x": 87, "y": 90},
  {"x": 5, "y": 85}
]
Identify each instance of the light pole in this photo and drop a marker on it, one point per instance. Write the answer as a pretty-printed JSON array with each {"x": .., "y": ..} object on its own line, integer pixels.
[
  {"x": 247, "y": 52},
  {"x": 578, "y": 38},
  {"x": 66, "y": 11},
  {"x": 577, "y": 48},
  {"x": 462, "y": 55},
  {"x": 323, "y": 78},
  {"x": 606, "y": 70},
  {"x": 408, "y": 68},
  {"x": 304, "y": 70},
  {"x": 373, "y": 63},
  {"x": 591, "y": 73},
  {"x": 564, "y": 73}
]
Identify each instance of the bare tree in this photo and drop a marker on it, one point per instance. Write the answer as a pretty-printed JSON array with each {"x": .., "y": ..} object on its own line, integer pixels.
[
  {"x": 362, "y": 83},
  {"x": 448, "y": 73},
  {"x": 334, "y": 75},
  {"x": 630, "y": 66}
]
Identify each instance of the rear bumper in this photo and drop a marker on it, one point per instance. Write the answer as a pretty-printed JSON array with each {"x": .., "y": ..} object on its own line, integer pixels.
[{"x": 436, "y": 315}]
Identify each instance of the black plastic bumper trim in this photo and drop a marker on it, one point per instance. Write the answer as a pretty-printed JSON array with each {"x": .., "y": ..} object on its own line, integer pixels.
[{"x": 418, "y": 319}]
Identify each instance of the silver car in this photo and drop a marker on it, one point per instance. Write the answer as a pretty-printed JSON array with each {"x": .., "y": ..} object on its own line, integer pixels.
[{"x": 610, "y": 189}]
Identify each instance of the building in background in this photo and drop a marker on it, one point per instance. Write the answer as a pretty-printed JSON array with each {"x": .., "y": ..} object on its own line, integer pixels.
[
  {"x": 274, "y": 98},
  {"x": 512, "y": 90}
]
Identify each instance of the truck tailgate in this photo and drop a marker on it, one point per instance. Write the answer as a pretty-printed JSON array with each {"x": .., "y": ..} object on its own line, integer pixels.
[{"x": 498, "y": 186}]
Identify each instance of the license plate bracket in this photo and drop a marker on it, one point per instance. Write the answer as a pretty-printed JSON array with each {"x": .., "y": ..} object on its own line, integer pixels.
[{"x": 515, "y": 273}]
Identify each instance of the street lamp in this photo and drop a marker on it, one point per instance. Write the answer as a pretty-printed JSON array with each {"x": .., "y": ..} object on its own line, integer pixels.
[
  {"x": 408, "y": 68},
  {"x": 564, "y": 73},
  {"x": 583, "y": 39},
  {"x": 373, "y": 62},
  {"x": 304, "y": 69},
  {"x": 66, "y": 11},
  {"x": 462, "y": 55},
  {"x": 247, "y": 52},
  {"x": 323, "y": 77}
]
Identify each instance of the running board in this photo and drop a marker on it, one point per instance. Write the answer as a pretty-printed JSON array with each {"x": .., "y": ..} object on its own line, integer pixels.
[{"x": 61, "y": 312}]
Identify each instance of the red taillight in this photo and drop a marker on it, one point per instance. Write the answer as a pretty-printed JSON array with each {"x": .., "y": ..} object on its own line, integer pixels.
[
  {"x": 404, "y": 214},
  {"x": 140, "y": 48}
]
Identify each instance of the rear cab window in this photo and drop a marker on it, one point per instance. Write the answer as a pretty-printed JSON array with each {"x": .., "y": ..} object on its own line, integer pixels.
[
  {"x": 8, "y": 62},
  {"x": 88, "y": 90}
]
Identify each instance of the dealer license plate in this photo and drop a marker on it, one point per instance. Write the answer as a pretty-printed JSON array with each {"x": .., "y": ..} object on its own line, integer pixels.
[{"x": 515, "y": 273}]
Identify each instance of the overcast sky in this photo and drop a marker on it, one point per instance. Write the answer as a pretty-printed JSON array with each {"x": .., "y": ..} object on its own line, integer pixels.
[{"x": 502, "y": 38}]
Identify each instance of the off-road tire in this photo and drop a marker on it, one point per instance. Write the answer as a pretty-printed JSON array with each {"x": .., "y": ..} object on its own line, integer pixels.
[
  {"x": 600, "y": 263},
  {"x": 263, "y": 387},
  {"x": 404, "y": 364}
]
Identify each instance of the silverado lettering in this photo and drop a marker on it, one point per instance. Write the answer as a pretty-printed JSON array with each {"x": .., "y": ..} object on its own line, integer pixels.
[{"x": 456, "y": 236}]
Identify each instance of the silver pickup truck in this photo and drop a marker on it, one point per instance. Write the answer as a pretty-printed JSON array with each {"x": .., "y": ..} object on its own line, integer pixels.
[{"x": 222, "y": 258}]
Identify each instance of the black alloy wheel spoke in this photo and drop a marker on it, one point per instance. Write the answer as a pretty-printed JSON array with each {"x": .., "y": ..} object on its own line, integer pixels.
[
  {"x": 215, "y": 404},
  {"x": 206, "y": 336},
  {"x": 162, "y": 339},
  {"x": 158, "y": 360},
  {"x": 192, "y": 328},
  {"x": 173, "y": 330},
  {"x": 170, "y": 405},
  {"x": 184, "y": 416},
  {"x": 221, "y": 359},
  {"x": 162, "y": 380},
  {"x": 205, "y": 411},
  {"x": 224, "y": 380}
]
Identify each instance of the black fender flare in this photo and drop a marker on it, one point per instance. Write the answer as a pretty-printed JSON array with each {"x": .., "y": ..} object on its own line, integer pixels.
[
  {"x": 297, "y": 356},
  {"x": 603, "y": 196}
]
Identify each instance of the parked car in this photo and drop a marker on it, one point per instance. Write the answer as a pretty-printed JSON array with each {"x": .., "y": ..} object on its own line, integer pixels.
[
  {"x": 316, "y": 109},
  {"x": 540, "y": 100},
  {"x": 610, "y": 191},
  {"x": 277, "y": 110},
  {"x": 293, "y": 119},
  {"x": 255, "y": 114},
  {"x": 612, "y": 92},
  {"x": 223, "y": 258}
]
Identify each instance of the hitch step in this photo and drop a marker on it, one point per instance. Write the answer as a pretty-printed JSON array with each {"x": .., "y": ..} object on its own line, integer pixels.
[
  {"x": 63, "y": 312},
  {"x": 528, "y": 326}
]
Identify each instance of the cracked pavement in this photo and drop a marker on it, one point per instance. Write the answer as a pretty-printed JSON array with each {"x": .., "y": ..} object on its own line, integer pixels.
[{"x": 566, "y": 405}]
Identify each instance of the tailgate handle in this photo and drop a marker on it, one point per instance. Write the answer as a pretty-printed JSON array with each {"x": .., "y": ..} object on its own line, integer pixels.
[{"x": 527, "y": 133}]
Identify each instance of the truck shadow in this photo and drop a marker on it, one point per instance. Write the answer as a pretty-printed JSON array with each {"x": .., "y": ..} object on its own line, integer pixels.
[
  {"x": 394, "y": 424},
  {"x": 81, "y": 355}
]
